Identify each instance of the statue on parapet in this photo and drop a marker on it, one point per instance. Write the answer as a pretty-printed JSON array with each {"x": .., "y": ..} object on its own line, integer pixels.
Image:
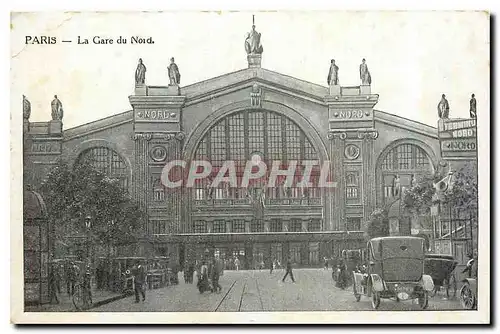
[
  {"x": 140, "y": 73},
  {"x": 26, "y": 108},
  {"x": 252, "y": 42},
  {"x": 364, "y": 73},
  {"x": 173, "y": 73},
  {"x": 333, "y": 74},
  {"x": 472, "y": 110},
  {"x": 443, "y": 108},
  {"x": 57, "y": 109}
]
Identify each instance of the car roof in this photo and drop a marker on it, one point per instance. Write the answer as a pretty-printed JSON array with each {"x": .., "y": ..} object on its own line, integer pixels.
[{"x": 395, "y": 237}]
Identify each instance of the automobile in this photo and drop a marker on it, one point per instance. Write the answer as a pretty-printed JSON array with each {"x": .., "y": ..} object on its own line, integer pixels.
[
  {"x": 394, "y": 270},
  {"x": 468, "y": 291}
]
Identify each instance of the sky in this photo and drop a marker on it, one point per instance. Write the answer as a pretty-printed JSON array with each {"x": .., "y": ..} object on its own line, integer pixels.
[{"x": 413, "y": 57}]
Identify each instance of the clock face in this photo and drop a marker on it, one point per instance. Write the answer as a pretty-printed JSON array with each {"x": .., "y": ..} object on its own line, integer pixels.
[
  {"x": 158, "y": 153},
  {"x": 351, "y": 152}
]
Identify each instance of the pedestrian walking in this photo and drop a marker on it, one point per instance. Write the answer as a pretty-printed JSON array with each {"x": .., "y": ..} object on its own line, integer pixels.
[
  {"x": 58, "y": 270},
  {"x": 73, "y": 272},
  {"x": 203, "y": 283},
  {"x": 237, "y": 264},
  {"x": 191, "y": 272},
  {"x": 288, "y": 271},
  {"x": 53, "y": 285},
  {"x": 87, "y": 286},
  {"x": 215, "y": 274},
  {"x": 271, "y": 266},
  {"x": 139, "y": 280}
]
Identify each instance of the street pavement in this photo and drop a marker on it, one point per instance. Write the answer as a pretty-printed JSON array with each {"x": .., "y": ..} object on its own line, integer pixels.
[
  {"x": 256, "y": 291},
  {"x": 66, "y": 302}
]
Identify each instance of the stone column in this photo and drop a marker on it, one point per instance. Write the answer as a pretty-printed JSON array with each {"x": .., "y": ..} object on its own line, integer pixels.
[
  {"x": 140, "y": 176},
  {"x": 337, "y": 146},
  {"x": 304, "y": 225},
  {"x": 266, "y": 226},
  {"x": 369, "y": 186},
  {"x": 285, "y": 225},
  {"x": 210, "y": 225}
]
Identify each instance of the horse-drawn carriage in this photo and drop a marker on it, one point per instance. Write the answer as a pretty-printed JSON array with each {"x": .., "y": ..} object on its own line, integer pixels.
[
  {"x": 350, "y": 260},
  {"x": 441, "y": 268}
]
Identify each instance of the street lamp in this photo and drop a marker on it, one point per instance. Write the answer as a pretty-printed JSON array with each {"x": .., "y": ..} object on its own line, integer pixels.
[{"x": 88, "y": 225}]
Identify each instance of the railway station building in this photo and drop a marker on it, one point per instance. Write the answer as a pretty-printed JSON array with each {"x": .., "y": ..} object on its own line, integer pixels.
[{"x": 238, "y": 116}]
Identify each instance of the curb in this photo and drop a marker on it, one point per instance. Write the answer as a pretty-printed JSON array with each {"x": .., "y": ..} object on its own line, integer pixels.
[{"x": 107, "y": 301}]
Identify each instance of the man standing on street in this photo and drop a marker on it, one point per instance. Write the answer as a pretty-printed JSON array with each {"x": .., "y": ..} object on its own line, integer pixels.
[
  {"x": 139, "y": 280},
  {"x": 215, "y": 273},
  {"x": 72, "y": 274},
  {"x": 289, "y": 271}
]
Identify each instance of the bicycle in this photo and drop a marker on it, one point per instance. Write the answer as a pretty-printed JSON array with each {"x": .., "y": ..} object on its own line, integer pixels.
[{"x": 82, "y": 297}]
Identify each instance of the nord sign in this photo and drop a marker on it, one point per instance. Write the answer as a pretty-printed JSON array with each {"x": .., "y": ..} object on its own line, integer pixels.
[{"x": 458, "y": 138}]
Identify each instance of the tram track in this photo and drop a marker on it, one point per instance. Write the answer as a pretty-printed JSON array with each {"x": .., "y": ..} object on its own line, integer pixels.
[
  {"x": 225, "y": 296},
  {"x": 242, "y": 294},
  {"x": 260, "y": 296}
]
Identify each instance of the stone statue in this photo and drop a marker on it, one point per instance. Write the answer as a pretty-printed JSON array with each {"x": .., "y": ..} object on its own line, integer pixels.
[
  {"x": 333, "y": 74},
  {"x": 173, "y": 73},
  {"x": 413, "y": 180},
  {"x": 26, "y": 108},
  {"x": 473, "y": 113},
  {"x": 252, "y": 42},
  {"x": 140, "y": 73},
  {"x": 443, "y": 107},
  {"x": 57, "y": 109},
  {"x": 364, "y": 74},
  {"x": 397, "y": 186}
]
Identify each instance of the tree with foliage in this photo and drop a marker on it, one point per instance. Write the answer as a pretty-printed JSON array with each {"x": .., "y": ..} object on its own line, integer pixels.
[
  {"x": 463, "y": 193},
  {"x": 419, "y": 198},
  {"x": 460, "y": 194},
  {"x": 378, "y": 225},
  {"x": 71, "y": 194}
]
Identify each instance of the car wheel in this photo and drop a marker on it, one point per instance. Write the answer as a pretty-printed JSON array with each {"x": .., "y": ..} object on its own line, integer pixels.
[
  {"x": 467, "y": 297},
  {"x": 375, "y": 299},
  {"x": 423, "y": 300}
]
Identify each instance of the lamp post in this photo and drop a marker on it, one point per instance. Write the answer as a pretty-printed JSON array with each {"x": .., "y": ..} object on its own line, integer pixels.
[{"x": 88, "y": 226}]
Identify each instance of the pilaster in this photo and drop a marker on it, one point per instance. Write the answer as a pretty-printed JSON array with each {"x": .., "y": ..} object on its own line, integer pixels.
[
  {"x": 159, "y": 139},
  {"x": 351, "y": 135}
]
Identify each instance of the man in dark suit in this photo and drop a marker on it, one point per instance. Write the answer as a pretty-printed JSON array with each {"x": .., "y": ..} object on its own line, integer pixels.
[
  {"x": 289, "y": 270},
  {"x": 139, "y": 280}
]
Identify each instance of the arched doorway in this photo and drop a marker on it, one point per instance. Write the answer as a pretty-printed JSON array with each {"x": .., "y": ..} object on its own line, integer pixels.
[
  {"x": 401, "y": 166},
  {"x": 225, "y": 212}
]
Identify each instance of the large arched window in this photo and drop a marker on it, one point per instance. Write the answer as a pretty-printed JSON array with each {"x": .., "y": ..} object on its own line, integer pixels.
[
  {"x": 401, "y": 167},
  {"x": 108, "y": 162},
  {"x": 240, "y": 136}
]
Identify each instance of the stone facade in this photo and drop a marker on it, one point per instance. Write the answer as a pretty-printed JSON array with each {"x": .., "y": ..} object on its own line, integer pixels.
[{"x": 338, "y": 124}]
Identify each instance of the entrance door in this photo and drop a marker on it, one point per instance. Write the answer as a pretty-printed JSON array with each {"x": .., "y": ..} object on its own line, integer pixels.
[
  {"x": 277, "y": 252},
  {"x": 258, "y": 255},
  {"x": 239, "y": 253},
  {"x": 295, "y": 252},
  {"x": 313, "y": 253}
]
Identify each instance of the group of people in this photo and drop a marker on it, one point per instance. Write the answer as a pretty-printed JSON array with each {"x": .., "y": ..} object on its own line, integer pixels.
[
  {"x": 209, "y": 274},
  {"x": 69, "y": 273}
]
